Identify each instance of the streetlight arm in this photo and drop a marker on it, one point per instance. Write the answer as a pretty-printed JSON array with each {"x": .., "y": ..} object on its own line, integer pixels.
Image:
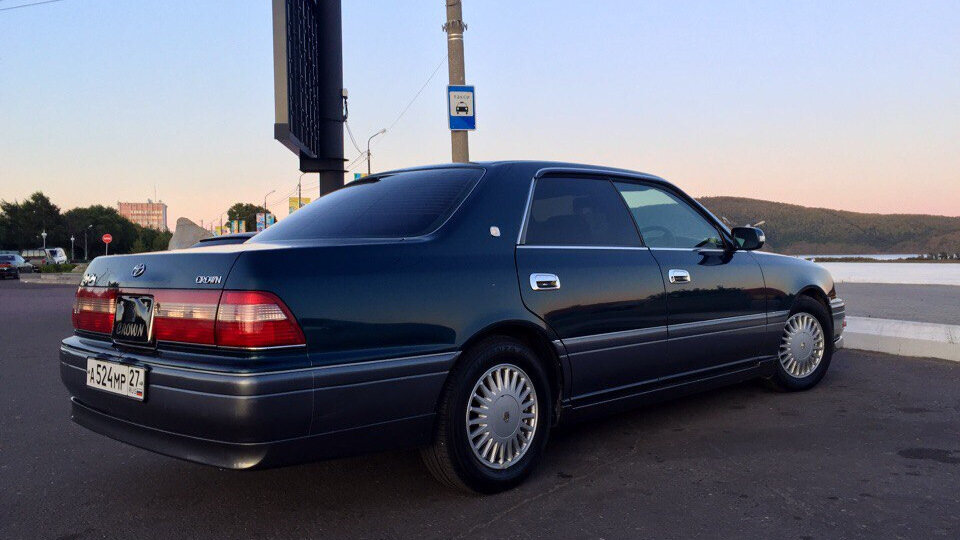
[{"x": 381, "y": 132}]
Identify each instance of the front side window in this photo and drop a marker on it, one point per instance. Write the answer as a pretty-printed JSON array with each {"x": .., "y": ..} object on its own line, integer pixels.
[
  {"x": 666, "y": 221},
  {"x": 401, "y": 205},
  {"x": 578, "y": 212}
]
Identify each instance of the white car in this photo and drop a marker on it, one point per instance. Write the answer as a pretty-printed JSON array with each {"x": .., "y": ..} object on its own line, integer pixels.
[
  {"x": 45, "y": 256},
  {"x": 57, "y": 255}
]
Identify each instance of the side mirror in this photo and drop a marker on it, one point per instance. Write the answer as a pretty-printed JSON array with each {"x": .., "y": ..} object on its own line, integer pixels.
[{"x": 748, "y": 238}]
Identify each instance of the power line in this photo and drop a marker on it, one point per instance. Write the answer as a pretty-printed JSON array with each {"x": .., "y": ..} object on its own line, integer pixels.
[
  {"x": 362, "y": 156},
  {"x": 30, "y": 5},
  {"x": 349, "y": 132},
  {"x": 430, "y": 78}
]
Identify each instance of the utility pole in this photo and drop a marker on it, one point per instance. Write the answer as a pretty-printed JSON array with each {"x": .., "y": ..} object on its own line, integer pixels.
[
  {"x": 85, "y": 256},
  {"x": 454, "y": 28}
]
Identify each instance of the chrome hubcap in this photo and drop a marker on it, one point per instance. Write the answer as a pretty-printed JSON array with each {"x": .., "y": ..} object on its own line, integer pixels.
[
  {"x": 802, "y": 345},
  {"x": 502, "y": 416}
]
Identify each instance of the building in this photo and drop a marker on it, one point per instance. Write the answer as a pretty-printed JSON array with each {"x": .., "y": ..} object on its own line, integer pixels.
[{"x": 149, "y": 214}]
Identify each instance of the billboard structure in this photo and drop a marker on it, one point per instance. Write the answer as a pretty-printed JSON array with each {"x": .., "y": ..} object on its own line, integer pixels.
[
  {"x": 264, "y": 220},
  {"x": 297, "y": 202},
  {"x": 308, "y": 85}
]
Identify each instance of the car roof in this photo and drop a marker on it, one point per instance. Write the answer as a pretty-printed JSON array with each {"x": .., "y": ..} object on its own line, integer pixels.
[{"x": 532, "y": 167}]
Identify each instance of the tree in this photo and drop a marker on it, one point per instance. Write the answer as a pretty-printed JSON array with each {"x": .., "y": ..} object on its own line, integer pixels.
[
  {"x": 246, "y": 212},
  {"x": 21, "y": 224},
  {"x": 103, "y": 220}
]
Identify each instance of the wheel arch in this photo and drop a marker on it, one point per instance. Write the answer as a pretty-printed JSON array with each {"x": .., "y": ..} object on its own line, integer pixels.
[
  {"x": 539, "y": 340},
  {"x": 818, "y": 294}
]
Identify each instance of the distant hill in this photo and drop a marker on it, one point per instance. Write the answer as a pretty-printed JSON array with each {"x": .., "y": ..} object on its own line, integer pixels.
[{"x": 794, "y": 229}]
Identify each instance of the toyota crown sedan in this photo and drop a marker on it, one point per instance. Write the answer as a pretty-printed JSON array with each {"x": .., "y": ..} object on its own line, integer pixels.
[{"x": 463, "y": 309}]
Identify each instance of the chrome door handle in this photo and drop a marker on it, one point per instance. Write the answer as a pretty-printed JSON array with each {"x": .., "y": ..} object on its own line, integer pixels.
[
  {"x": 544, "y": 282},
  {"x": 679, "y": 276}
]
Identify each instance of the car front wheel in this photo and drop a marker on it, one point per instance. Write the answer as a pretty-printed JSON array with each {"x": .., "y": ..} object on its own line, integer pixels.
[
  {"x": 494, "y": 418},
  {"x": 806, "y": 347}
]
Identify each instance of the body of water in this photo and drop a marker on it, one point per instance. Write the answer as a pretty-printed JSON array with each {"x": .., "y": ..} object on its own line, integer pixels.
[{"x": 874, "y": 256}]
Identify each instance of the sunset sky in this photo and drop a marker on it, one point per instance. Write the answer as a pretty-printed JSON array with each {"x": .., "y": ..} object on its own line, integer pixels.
[{"x": 849, "y": 105}]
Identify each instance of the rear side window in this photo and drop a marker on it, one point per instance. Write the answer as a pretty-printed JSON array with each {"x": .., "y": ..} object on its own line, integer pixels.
[
  {"x": 579, "y": 212},
  {"x": 402, "y": 205}
]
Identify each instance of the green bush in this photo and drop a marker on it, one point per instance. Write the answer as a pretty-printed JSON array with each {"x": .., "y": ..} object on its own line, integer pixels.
[{"x": 57, "y": 268}]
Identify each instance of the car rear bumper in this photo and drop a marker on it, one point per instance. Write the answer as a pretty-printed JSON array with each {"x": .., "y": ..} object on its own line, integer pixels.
[{"x": 242, "y": 420}]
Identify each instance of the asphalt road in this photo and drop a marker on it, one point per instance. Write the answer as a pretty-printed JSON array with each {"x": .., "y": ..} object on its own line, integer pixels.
[
  {"x": 872, "y": 452},
  {"x": 924, "y": 303}
]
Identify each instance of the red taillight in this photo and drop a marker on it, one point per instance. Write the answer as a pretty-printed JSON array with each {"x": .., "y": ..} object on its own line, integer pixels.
[
  {"x": 255, "y": 319},
  {"x": 186, "y": 316},
  {"x": 93, "y": 309},
  {"x": 5, "y": 265},
  {"x": 247, "y": 319}
]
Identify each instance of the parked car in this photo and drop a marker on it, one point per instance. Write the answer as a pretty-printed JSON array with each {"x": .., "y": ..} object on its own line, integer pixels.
[
  {"x": 10, "y": 266},
  {"x": 40, "y": 256},
  {"x": 465, "y": 309},
  {"x": 57, "y": 255}
]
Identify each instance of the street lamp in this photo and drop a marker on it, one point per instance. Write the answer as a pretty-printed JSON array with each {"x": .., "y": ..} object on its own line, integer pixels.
[
  {"x": 85, "y": 257},
  {"x": 72, "y": 258},
  {"x": 265, "y": 200},
  {"x": 381, "y": 132},
  {"x": 44, "y": 235},
  {"x": 300, "y": 191}
]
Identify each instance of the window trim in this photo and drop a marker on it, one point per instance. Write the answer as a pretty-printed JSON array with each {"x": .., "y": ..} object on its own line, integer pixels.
[
  {"x": 571, "y": 174},
  {"x": 693, "y": 205},
  {"x": 627, "y": 176}
]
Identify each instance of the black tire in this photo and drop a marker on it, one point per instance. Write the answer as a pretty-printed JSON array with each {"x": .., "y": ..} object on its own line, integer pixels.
[
  {"x": 450, "y": 458},
  {"x": 782, "y": 380}
]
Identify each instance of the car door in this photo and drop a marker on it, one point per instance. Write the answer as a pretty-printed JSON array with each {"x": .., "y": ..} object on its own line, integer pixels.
[
  {"x": 716, "y": 310},
  {"x": 582, "y": 270}
]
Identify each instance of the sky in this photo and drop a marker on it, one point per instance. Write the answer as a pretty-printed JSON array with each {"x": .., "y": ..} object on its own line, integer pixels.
[{"x": 848, "y": 105}]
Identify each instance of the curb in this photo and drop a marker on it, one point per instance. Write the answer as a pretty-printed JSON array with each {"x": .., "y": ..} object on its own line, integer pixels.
[
  {"x": 903, "y": 338},
  {"x": 52, "y": 279}
]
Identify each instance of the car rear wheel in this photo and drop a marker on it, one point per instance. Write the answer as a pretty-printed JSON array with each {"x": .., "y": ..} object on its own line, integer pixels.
[
  {"x": 494, "y": 418},
  {"x": 806, "y": 347}
]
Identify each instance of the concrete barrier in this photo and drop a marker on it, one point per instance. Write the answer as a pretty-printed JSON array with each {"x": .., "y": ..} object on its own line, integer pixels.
[
  {"x": 68, "y": 278},
  {"x": 903, "y": 338}
]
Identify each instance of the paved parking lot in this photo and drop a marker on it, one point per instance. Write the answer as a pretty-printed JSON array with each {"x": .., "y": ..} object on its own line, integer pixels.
[
  {"x": 922, "y": 303},
  {"x": 872, "y": 452}
]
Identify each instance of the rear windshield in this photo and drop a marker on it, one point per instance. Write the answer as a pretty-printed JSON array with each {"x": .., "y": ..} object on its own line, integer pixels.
[
  {"x": 400, "y": 205},
  {"x": 7, "y": 258}
]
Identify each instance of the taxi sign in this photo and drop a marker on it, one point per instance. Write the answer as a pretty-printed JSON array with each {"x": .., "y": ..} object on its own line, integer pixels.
[{"x": 460, "y": 105}]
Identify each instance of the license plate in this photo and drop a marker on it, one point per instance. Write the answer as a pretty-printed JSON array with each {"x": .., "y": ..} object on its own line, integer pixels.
[
  {"x": 133, "y": 323},
  {"x": 119, "y": 379}
]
